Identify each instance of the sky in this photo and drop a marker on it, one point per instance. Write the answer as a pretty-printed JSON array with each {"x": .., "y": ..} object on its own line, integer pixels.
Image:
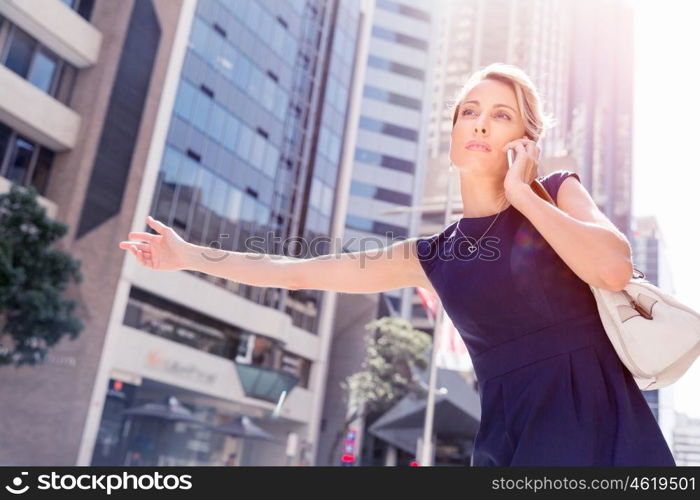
[{"x": 666, "y": 153}]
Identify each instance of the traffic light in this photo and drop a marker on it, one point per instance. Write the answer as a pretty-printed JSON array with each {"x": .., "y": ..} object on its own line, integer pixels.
[{"x": 349, "y": 457}]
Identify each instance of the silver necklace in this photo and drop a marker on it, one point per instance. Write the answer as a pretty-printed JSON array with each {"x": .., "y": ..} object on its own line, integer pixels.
[{"x": 472, "y": 248}]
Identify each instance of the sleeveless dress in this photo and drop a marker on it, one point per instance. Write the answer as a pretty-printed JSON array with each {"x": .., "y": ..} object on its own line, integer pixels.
[{"x": 551, "y": 387}]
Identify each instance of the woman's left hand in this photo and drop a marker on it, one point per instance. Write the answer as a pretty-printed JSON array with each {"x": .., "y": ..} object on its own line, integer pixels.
[{"x": 524, "y": 168}]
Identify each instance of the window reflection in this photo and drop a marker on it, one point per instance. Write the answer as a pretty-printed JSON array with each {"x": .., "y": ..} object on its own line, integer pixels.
[
  {"x": 302, "y": 307},
  {"x": 184, "y": 99},
  {"x": 20, "y": 160},
  {"x": 82, "y": 7},
  {"x": 202, "y": 105},
  {"x": 25, "y": 56},
  {"x": 19, "y": 52},
  {"x": 211, "y": 50},
  {"x": 231, "y": 133},
  {"x": 40, "y": 178},
  {"x": 166, "y": 319},
  {"x": 258, "y": 153},
  {"x": 184, "y": 191},
  {"x": 199, "y": 218},
  {"x": 215, "y": 127},
  {"x": 5, "y": 133},
  {"x": 43, "y": 70},
  {"x": 153, "y": 314}
]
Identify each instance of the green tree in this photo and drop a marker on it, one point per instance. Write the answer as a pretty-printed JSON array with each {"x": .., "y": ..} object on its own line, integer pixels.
[
  {"x": 394, "y": 350},
  {"x": 34, "y": 315}
]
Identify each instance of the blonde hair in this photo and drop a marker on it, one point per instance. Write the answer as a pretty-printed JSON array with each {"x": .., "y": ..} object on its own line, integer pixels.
[{"x": 529, "y": 100}]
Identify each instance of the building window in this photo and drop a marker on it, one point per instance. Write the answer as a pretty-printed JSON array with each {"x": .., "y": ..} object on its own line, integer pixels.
[
  {"x": 380, "y": 228},
  {"x": 297, "y": 366},
  {"x": 20, "y": 48},
  {"x": 359, "y": 223},
  {"x": 388, "y": 129},
  {"x": 400, "y": 38},
  {"x": 42, "y": 169},
  {"x": 404, "y": 10},
  {"x": 22, "y": 161},
  {"x": 372, "y": 158},
  {"x": 392, "y": 98},
  {"x": 43, "y": 70},
  {"x": 378, "y": 193},
  {"x": 163, "y": 318},
  {"x": 153, "y": 314},
  {"x": 82, "y": 7},
  {"x": 303, "y": 307},
  {"x": 394, "y": 67},
  {"x": 5, "y": 136},
  {"x": 37, "y": 64}
]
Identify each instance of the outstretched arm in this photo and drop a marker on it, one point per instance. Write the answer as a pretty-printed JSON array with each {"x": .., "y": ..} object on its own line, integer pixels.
[{"x": 371, "y": 271}]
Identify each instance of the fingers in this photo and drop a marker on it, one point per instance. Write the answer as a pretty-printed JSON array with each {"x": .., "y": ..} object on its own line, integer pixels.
[
  {"x": 135, "y": 235},
  {"x": 532, "y": 149},
  {"x": 142, "y": 252},
  {"x": 512, "y": 144},
  {"x": 158, "y": 226},
  {"x": 144, "y": 257},
  {"x": 526, "y": 149},
  {"x": 135, "y": 245},
  {"x": 520, "y": 149}
]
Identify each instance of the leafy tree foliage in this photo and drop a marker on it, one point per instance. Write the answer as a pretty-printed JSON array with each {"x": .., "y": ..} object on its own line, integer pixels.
[{"x": 34, "y": 315}]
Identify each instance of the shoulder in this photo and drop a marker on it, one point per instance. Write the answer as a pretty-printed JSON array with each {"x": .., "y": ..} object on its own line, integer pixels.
[
  {"x": 554, "y": 180},
  {"x": 428, "y": 247}
]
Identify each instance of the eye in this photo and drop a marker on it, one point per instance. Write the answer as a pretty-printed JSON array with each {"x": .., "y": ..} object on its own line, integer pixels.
[{"x": 505, "y": 115}]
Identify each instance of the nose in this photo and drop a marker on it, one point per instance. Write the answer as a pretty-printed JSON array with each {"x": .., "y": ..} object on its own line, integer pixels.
[{"x": 480, "y": 126}]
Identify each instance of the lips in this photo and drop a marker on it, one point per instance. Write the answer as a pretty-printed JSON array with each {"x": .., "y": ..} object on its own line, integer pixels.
[{"x": 478, "y": 146}]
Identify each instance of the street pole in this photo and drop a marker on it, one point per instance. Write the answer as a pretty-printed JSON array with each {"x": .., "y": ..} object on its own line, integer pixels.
[{"x": 427, "y": 446}]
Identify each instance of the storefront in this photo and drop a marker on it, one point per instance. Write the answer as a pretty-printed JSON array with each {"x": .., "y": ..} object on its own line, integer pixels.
[{"x": 145, "y": 422}]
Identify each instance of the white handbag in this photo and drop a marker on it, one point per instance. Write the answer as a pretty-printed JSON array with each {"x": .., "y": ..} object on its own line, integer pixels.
[{"x": 655, "y": 336}]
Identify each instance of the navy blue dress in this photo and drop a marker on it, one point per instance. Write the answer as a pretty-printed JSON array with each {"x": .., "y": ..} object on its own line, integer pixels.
[{"x": 552, "y": 389}]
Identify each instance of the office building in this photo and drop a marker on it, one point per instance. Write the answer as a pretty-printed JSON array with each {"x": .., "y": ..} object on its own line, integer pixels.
[{"x": 225, "y": 120}]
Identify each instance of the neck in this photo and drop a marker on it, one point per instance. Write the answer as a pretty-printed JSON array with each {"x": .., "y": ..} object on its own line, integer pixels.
[{"x": 482, "y": 195}]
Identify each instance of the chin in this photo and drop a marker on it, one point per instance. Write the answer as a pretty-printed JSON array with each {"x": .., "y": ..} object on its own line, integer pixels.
[{"x": 482, "y": 166}]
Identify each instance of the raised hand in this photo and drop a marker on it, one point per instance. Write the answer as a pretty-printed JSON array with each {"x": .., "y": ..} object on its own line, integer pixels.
[{"x": 164, "y": 251}]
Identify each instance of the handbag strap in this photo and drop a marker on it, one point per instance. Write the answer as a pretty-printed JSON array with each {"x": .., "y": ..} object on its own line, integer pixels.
[{"x": 538, "y": 188}]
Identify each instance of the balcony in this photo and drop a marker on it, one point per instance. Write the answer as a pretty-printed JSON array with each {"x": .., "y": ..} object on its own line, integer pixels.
[
  {"x": 35, "y": 114},
  {"x": 58, "y": 26}
]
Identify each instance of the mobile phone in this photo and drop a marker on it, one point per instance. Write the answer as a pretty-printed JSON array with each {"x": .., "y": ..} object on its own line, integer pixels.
[{"x": 510, "y": 157}]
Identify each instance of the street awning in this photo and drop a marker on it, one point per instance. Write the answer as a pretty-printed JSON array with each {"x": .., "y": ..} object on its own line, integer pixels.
[{"x": 457, "y": 414}]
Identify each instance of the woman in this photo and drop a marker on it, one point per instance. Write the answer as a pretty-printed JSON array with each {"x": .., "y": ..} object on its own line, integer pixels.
[{"x": 513, "y": 274}]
